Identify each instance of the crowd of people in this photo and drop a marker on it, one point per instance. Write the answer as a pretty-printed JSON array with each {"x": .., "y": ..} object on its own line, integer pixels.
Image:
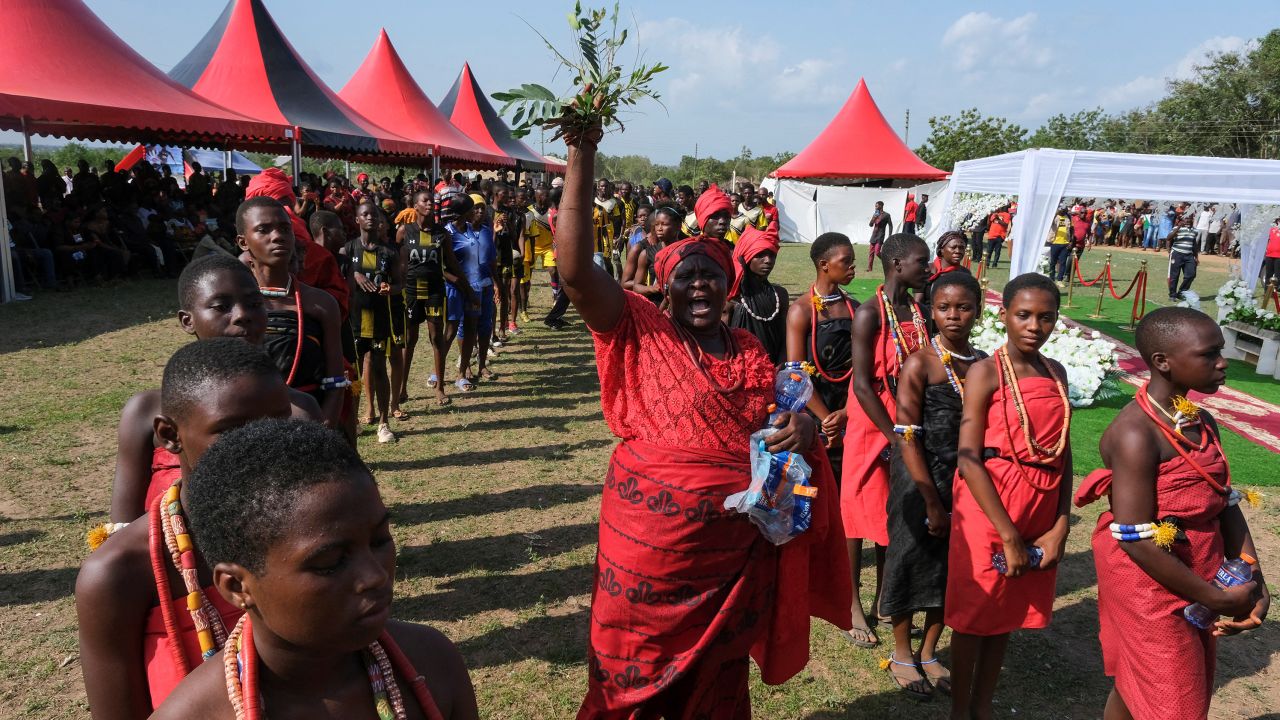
[{"x": 249, "y": 560}]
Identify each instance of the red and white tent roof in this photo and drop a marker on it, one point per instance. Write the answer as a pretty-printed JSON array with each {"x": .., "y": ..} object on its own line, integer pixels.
[
  {"x": 247, "y": 64},
  {"x": 859, "y": 143},
  {"x": 383, "y": 91},
  {"x": 69, "y": 75},
  {"x": 467, "y": 107}
]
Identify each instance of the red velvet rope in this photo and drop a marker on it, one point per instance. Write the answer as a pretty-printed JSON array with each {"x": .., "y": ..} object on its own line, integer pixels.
[
  {"x": 1111, "y": 285},
  {"x": 1093, "y": 282}
]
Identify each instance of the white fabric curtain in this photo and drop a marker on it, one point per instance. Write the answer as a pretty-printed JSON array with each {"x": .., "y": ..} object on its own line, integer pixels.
[
  {"x": 1253, "y": 246},
  {"x": 1043, "y": 179},
  {"x": 807, "y": 210}
]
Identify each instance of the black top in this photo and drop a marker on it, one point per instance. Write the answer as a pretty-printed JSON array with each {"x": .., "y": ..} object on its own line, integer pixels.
[
  {"x": 834, "y": 341},
  {"x": 424, "y": 275},
  {"x": 762, "y": 310},
  {"x": 281, "y": 344}
]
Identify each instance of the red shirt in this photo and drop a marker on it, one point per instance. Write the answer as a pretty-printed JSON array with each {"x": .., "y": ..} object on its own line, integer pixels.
[
  {"x": 1273, "y": 243},
  {"x": 909, "y": 214},
  {"x": 995, "y": 229}
]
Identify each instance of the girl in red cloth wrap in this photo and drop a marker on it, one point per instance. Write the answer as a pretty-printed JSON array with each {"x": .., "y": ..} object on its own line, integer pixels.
[
  {"x": 759, "y": 306},
  {"x": 1014, "y": 460},
  {"x": 138, "y": 637},
  {"x": 685, "y": 591},
  {"x": 217, "y": 297},
  {"x": 298, "y": 537},
  {"x": 886, "y": 329},
  {"x": 1164, "y": 466},
  {"x": 949, "y": 252}
]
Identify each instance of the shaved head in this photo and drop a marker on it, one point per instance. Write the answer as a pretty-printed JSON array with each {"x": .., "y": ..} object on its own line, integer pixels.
[{"x": 1166, "y": 328}]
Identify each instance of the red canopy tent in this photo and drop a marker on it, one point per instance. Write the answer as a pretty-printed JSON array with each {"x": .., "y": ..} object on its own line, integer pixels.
[
  {"x": 246, "y": 63},
  {"x": 858, "y": 143},
  {"x": 69, "y": 75},
  {"x": 383, "y": 90},
  {"x": 467, "y": 107}
]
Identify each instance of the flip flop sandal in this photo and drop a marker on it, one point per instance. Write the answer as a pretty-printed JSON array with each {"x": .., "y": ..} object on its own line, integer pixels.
[
  {"x": 942, "y": 683},
  {"x": 464, "y": 385},
  {"x": 865, "y": 644},
  {"x": 370, "y": 420},
  {"x": 400, "y": 415},
  {"x": 433, "y": 381},
  {"x": 910, "y": 686},
  {"x": 444, "y": 401}
]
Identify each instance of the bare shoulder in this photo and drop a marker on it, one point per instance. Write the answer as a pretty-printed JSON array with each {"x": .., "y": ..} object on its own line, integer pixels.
[
  {"x": 118, "y": 573},
  {"x": 142, "y": 407},
  {"x": 314, "y": 299},
  {"x": 202, "y": 695},
  {"x": 1058, "y": 368},
  {"x": 1129, "y": 435},
  {"x": 801, "y": 311},
  {"x": 438, "y": 661},
  {"x": 304, "y": 406}
]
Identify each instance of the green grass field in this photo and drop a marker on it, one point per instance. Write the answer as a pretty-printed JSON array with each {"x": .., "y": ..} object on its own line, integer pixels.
[{"x": 495, "y": 502}]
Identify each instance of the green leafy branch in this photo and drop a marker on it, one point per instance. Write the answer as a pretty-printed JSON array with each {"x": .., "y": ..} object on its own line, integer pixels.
[{"x": 606, "y": 88}]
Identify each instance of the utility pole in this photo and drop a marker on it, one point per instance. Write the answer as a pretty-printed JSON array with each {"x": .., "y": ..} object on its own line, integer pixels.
[
  {"x": 906, "y": 135},
  {"x": 695, "y": 161}
]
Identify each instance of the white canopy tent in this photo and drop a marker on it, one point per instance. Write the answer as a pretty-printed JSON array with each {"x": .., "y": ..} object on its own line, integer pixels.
[{"x": 1042, "y": 177}]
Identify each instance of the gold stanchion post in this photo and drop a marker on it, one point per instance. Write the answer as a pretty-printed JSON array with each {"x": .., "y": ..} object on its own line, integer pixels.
[
  {"x": 1268, "y": 292},
  {"x": 1102, "y": 288},
  {"x": 1139, "y": 290},
  {"x": 1071, "y": 278}
]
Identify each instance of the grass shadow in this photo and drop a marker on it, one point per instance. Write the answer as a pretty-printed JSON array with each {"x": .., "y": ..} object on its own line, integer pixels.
[
  {"x": 42, "y": 321},
  {"x": 536, "y": 497},
  {"x": 494, "y": 553},
  {"x": 33, "y": 586},
  {"x": 548, "y": 423},
  {"x": 468, "y": 596},
  {"x": 557, "y": 639},
  {"x": 491, "y": 457},
  {"x": 21, "y": 536}
]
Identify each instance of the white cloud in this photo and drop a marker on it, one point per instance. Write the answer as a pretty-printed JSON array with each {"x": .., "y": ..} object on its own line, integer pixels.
[
  {"x": 721, "y": 64},
  {"x": 1147, "y": 88},
  {"x": 982, "y": 41}
]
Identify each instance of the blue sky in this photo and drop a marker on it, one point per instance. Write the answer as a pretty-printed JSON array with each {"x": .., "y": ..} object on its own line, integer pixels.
[{"x": 767, "y": 75}]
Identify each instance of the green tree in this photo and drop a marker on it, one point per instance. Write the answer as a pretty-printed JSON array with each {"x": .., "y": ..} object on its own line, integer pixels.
[
  {"x": 1079, "y": 131},
  {"x": 969, "y": 135}
]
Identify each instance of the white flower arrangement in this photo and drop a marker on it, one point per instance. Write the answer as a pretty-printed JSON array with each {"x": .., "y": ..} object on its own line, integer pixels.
[
  {"x": 1234, "y": 295},
  {"x": 968, "y": 209},
  {"x": 1089, "y": 358}
]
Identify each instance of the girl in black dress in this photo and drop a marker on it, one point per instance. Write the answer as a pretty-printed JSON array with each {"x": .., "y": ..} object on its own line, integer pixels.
[
  {"x": 759, "y": 306},
  {"x": 930, "y": 395}
]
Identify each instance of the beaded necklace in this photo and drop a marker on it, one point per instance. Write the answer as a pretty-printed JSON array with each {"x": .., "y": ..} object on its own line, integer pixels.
[
  {"x": 210, "y": 631},
  {"x": 1178, "y": 440},
  {"x": 382, "y": 659},
  {"x": 820, "y": 303},
  {"x": 945, "y": 356},
  {"x": 277, "y": 292},
  {"x": 889, "y": 318},
  {"x": 1009, "y": 386},
  {"x": 777, "y": 306}
]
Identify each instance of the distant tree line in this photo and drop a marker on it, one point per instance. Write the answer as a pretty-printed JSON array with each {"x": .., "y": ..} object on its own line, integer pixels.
[{"x": 1229, "y": 107}]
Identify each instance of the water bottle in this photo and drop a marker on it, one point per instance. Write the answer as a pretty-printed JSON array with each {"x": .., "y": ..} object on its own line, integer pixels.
[
  {"x": 1034, "y": 556},
  {"x": 1231, "y": 573},
  {"x": 791, "y": 391}
]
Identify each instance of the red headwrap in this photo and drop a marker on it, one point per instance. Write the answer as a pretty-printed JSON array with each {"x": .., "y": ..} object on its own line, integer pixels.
[
  {"x": 711, "y": 202},
  {"x": 670, "y": 256},
  {"x": 751, "y": 243},
  {"x": 272, "y": 182}
]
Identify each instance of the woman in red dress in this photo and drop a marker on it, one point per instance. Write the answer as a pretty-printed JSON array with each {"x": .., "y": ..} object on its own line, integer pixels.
[
  {"x": 1014, "y": 459},
  {"x": 1164, "y": 465},
  {"x": 685, "y": 590}
]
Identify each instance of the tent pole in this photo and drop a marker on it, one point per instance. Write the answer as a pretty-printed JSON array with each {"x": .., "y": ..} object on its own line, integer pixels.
[
  {"x": 347, "y": 169},
  {"x": 435, "y": 170},
  {"x": 26, "y": 143},
  {"x": 226, "y": 163},
  {"x": 7, "y": 288},
  {"x": 297, "y": 154}
]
